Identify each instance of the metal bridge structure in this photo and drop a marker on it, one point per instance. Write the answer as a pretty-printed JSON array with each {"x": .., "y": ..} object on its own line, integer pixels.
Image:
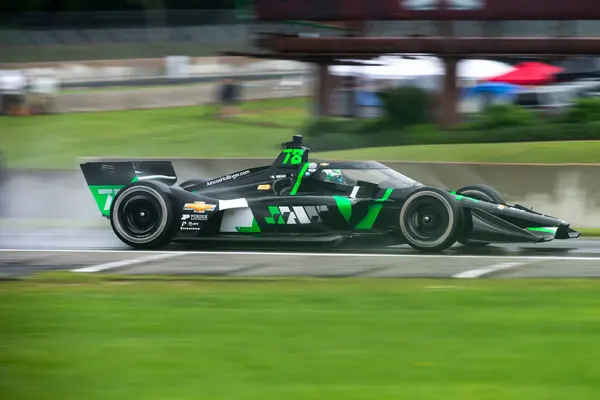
[{"x": 328, "y": 32}]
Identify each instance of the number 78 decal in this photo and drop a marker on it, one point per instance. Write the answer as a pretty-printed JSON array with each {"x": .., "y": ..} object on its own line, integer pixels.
[{"x": 295, "y": 154}]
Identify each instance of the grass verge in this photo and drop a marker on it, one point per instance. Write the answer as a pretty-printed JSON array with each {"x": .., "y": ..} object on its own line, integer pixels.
[
  {"x": 299, "y": 339},
  {"x": 586, "y": 152},
  {"x": 56, "y": 141}
]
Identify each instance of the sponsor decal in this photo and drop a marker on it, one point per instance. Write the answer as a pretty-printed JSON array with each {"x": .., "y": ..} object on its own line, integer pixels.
[
  {"x": 110, "y": 195},
  {"x": 501, "y": 206},
  {"x": 194, "y": 217},
  {"x": 190, "y": 226},
  {"x": 264, "y": 187},
  {"x": 278, "y": 176},
  {"x": 228, "y": 177},
  {"x": 199, "y": 207},
  {"x": 295, "y": 215}
]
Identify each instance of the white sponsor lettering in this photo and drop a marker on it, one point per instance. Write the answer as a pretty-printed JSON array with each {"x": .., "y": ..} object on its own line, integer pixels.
[
  {"x": 188, "y": 224},
  {"x": 110, "y": 195},
  {"x": 187, "y": 228},
  {"x": 227, "y": 177}
]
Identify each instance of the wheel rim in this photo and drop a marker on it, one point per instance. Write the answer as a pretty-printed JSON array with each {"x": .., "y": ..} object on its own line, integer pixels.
[
  {"x": 140, "y": 215},
  {"x": 426, "y": 221}
]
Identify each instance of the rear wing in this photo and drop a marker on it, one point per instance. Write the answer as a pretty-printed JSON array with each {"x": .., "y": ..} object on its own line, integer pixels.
[{"x": 106, "y": 178}]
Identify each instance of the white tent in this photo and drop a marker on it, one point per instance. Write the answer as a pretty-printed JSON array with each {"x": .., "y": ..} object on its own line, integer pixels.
[
  {"x": 401, "y": 68},
  {"x": 482, "y": 69}
]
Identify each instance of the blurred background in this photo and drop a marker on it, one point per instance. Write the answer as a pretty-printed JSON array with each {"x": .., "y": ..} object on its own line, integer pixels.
[
  {"x": 449, "y": 92},
  {"x": 56, "y": 56}
]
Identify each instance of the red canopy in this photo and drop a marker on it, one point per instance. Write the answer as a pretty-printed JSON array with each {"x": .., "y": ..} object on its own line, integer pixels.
[{"x": 529, "y": 73}]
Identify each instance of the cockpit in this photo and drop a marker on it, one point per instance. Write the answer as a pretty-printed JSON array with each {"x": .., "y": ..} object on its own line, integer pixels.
[{"x": 383, "y": 177}]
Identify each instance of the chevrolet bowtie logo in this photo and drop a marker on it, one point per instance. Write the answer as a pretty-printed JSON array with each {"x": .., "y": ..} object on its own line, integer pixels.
[{"x": 199, "y": 207}]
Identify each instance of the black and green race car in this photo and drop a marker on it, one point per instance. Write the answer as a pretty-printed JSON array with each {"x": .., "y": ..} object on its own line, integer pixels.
[{"x": 298, "y": 200}]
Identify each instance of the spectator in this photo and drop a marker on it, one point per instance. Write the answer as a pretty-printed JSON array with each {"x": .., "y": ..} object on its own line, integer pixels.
[
  {"x": 229, "y": 97},
  {"x": 42, "y": 91},
  {"x": 13, "y": 85},
  {"x": 3, "y": 94}
]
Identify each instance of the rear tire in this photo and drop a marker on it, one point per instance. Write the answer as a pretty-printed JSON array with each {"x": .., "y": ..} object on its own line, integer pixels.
[
  {"x": 482, "y": 193},
  {"x": 141, "y": 215},
  {"x": 430, "y": 220}
]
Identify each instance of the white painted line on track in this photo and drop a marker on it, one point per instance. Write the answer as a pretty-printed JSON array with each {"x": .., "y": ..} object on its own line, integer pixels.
[
  {"x": 267, "y": 253},
  {"x": 126, "y": 263},
  {"x": 480, "y": 272}
]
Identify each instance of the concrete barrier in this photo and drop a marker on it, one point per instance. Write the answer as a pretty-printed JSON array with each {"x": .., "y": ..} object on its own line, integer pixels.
[
  {"x": 126, "y": 69},
  {"x": 170, "y": 96},
  {"x": 571, "y": 192}
]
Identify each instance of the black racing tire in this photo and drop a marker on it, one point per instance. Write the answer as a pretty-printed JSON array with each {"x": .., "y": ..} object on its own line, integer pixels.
[
  {"x": 282, "y": 187},
  {"x": 141, "y": 215},
  {"x": 482, "y": 193},
  {"x": 430, "y": 220}
]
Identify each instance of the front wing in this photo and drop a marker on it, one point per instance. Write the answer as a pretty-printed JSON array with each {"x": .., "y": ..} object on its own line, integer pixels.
[{"x": 506, "y": 224}]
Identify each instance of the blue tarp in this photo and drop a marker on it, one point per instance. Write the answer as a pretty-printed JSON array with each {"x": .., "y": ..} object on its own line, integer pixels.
[
  {"x": 494, "y": 88},
  {"x": 367, "y": 99}
]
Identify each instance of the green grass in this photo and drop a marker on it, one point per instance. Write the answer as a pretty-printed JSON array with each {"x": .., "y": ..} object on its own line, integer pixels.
[
  {"x": 58, "y": 140},
  {"x": 300, "y": 339},
  {"x": 588, "y": 232},
  {"x": 522, "y": 152}
]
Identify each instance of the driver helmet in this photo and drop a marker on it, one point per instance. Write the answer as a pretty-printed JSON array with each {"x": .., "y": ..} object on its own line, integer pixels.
[{"x": 334, "y": 175}]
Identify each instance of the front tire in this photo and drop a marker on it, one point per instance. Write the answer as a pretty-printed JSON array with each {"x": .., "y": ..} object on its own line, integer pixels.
[
  {"x": 141, "y": 215},
  {"x": 482, "y": 193},
  {"x": 430, "y": 220}
]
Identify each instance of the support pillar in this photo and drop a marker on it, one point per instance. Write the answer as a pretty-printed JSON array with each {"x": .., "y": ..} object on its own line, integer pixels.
[
  {"x": 351, "y": 86},
  {"x": 449, "y": 97},
  {"x": 323, "y": 90}
]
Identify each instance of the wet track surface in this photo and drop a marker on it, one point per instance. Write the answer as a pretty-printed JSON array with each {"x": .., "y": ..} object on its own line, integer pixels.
[{"x": 23, "y": 251}]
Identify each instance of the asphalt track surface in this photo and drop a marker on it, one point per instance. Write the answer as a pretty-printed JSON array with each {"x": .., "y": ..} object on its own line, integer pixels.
[{"x": 26, "y": 251}]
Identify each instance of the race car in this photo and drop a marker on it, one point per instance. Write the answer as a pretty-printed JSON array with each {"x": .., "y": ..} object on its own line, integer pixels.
[{"x": 298, "y": 200}]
